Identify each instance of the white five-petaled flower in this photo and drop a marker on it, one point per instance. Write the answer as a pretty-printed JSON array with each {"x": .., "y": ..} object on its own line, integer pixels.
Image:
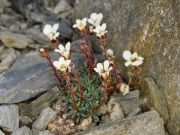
[
  {"x": 124, "y": 88},
  {"x": 132, "y": 59},
  {"x": 51, "y": 31},
  {"x": 95, "y": 19},
  {"x": 62, "y": 64},
  {"x": 64, "y": 51},
  {"x": 103, "y": 69},
  {"x": 100, "y": 30},
  {"x": 80, "y": 24}
]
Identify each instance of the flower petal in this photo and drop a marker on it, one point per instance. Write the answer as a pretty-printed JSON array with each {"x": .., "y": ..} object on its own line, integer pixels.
[
  {"x": 61, "y": 48},
  {"x": 140, "y": 58},
  {"x": 137, "y": 63},
  {"x": 90, "y": 21},
  {"x": 128, "y": 63},
  {"x": 103, "y": 27},
  {"x": 110, "y": 68},
  {"x": 93, "y": 16},
  {"x": 75, "y": 26},
  {"x": 127, "y": 55},
  {"x": 84, "y": 20},
  {"x": 47, "y": 29},
  {"x": 68, "y": 45},
  {"x": 110, "y": 52},
  {"x": 100, "y": 16},
  {"x": 134, "y": 55},
  {"x": 106, "y": 65},
  {"x": 57, "y": 50},
  {"x": 55, "y": 27},
  {"x": 68, "y": 62},
  {"x": 96, "y": 70},
  {"x": 61, "y": 60},
  {"x": 99, "y": 66},
  {"x": 56, "y": 64}
]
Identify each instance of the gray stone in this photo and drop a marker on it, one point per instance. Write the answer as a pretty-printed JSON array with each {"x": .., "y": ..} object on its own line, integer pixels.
[
  {"x": 25, "y": 120},
  {"x": 79, "y": 60},
  {"x": 9, "y": 117},
  {"x": 5, "y": 3},
  {"x": 62, "y": 6},
  {"x": 75, "y": 45},
  {"x": 136, "y": 111},
  {"x": 115, "y": 110},
  {"x": 152, "y": 29},
  {"x": 148, "y": 123},
  {"x": 33, "y": 109},
  {"x": 46, "y": 132},
  {"x": 22, "y": 131},
  {"x": 15, "y": 40},
  {"x": 29, "y": 76},
  {"x": 156, "y": 98},
  {"x": 37, "y": 35},
  {"x": 47, "y": 115},
  {"x": 7, "y": 58},
  {"x": 129, "y": 102},
  {"x": 1, "y": 133}
]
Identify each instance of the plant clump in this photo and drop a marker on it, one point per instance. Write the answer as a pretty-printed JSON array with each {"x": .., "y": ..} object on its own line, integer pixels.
[{"x": 87, "y": 90}]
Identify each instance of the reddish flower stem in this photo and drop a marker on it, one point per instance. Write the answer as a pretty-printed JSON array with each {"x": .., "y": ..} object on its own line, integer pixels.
[
  {"x": 76, "y": 78},
  {"x": 117, "y": 76},
  {"x": 45, "y": 54},
  {"x": 55, "y": 71},
  {"x": 103, "y": 45},
  {"x": 84, "y": 51},
  {"x": 72, "y": 93},
  {"x": 89, "y": 46}
]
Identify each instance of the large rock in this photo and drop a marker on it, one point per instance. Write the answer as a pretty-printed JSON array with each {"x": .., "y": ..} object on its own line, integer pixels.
[
  {"x": 152, "y": 29},
  {"x": 33, "y": 109},
  {"x": 148, "y": 123},
  {"x": 7, "y": 58},
  {"x": 22, "y": 131},
  {"x": 156, "y": 97},
  {"x": 9, "y": 117},
  {"x": 46, "y": 132},
  {"x": 15, "y": 40},
  {"x": 47, "y": 115},
  {"x": 28, "y": 77},
  {"x": 129, "y": 102}
]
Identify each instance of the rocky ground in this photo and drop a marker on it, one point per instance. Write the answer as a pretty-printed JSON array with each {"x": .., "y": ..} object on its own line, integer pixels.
[{"x": 30, "y": 99}]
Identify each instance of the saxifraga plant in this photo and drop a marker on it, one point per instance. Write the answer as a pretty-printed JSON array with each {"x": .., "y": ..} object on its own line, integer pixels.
[
  {"x": 86, "y": 90},
  {"x": 88, "y": 107}
]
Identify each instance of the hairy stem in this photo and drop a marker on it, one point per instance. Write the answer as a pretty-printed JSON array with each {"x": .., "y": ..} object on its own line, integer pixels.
[
  {"x": 89, "y": 46},
  {"x": 85, "y": 53},
  {"x": 76, "y": 78},
  {"x": 72, "y": 93},
  {"x": 55, "y": 71}
]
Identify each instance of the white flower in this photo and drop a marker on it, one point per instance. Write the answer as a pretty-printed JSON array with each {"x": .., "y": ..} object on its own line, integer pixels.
[
  {"x": 124, "y": 88},
  {"x": 51, "y": 31},
  {"x": 64, "y": 51},
  {"x": 100, "y": 30},
  {"x": 62, "y": 64},
  {"x": 80, "y": 24},
  {"x": 103, "y": 69},
  {"x": 132, "y": 59},
  {"x": 110, "y": 53},
  {"x": 95, "y": 19}
]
